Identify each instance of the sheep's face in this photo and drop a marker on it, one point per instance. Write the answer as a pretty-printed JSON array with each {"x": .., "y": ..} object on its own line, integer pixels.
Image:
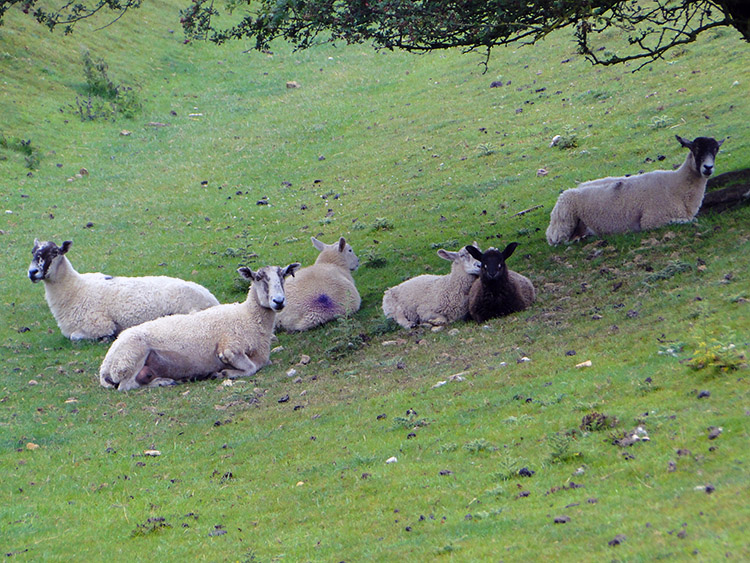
[
  {"x": 470, "y": 264},
  {"x": 45, "y": 257},
  {"x": 492, "y": 262},
  {"x": 268, "y": 284},
  {"x": 704, "y": 150},
  {"x": 334, "y": 253},
  {"x": 352, "y": 261}
]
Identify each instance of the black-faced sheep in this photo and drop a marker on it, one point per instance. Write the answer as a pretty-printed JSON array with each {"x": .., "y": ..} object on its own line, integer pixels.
[
  {"x": 94, "y": 305},
  {"x": 498, "y": 291},
  {"x": 321, "y": 292},
  {"x": 635, "y": 203},
  {"x": 232, "y": 340},
  {"x": 431, "y": 299}
]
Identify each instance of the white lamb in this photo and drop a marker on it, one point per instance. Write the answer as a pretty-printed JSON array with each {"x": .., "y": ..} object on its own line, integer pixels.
[
  {"x": 232, "y": 340},
  {"x": 96, "y": 306},
  {"x": 321, "y": 292},
  {"x": 431, "y": 299},
  {"x": 635, "y": 203}
]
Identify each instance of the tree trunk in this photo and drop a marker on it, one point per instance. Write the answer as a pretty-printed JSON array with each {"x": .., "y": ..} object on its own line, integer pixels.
[
  {"x": 726, "y": 191},
  {"x": 739, "y": 11}
]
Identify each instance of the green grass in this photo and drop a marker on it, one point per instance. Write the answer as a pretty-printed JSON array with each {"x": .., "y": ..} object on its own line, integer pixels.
[{"x": 418, "y": 153}]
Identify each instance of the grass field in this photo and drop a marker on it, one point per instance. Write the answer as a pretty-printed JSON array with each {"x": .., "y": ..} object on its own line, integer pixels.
[{"x": 221, "y": 165}]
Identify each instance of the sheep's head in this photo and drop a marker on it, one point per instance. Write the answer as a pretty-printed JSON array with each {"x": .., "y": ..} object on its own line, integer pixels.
[
  {"x": 339, "y": 252},
  {"x": 268, "y": 284},
  {"x": 704, "y": 151},
  {"x": 461, "y": 259},
  {"x": 492, "y": 261},
  {"x": 44, "y": 255}
]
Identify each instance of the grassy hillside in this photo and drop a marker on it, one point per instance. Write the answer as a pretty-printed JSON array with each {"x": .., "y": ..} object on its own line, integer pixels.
[{"x": 221, "y": 165}]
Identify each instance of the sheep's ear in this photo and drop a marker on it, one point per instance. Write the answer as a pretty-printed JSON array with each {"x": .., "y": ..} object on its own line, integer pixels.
[
  {"x": 66, "y": 246},
  {"x": 447, "y": 255},
  {"x": 317, "y": 244},
  {"x": 475, "y": 252},
  {"x": 721, "y": 142},
  {"x": 290, "y": 269},
  {"x": 37, "y": 244},
  {"x": 246, "y": 273},
  {"x": 684, "y": 142},
  {"x": 342, "y": 244},
  {"x": 508, "y": 252}
]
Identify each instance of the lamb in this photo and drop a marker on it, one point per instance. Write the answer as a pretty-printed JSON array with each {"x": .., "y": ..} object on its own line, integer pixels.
[
  {"x": 98, "y": 306},
  {"x": 323, "y": 291},
  {"x": 431, "y": 299},
  {"x": 635, "y": 203},
  {"x": 498, "y": 291},
  {"x": 232, "y": 340}
]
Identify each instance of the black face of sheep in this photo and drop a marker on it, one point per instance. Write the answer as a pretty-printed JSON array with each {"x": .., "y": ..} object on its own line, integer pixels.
[
  {"x": 43, "y": 254},
  {"x": 493, "y": 261},
  {"x": 704, "y": 151}
]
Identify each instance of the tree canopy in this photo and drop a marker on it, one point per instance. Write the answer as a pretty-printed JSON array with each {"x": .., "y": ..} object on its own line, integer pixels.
[{"x": 606, "y": 31}]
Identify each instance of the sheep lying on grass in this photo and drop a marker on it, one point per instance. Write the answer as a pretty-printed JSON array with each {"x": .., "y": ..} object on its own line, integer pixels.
[
  {"x": 232, "y": 340},
  {"x": 94, "y": 305},
  {"x": 431, "y": 299},
  {"x": 635, "y": 203},
  {"x": 321, "y": 292},
  {"x": 498, "y": 291}
]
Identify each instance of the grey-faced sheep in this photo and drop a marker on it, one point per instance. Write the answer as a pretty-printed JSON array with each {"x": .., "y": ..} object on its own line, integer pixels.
[
  {"x": 498, "y": 291},
  {"x": 635, "y": 203},
  {"x": 231, "y": 340},
  {"x": 95, "y": 306},
  {"x": 321, "y": 292},
  {"x": 432, "y": 299}
]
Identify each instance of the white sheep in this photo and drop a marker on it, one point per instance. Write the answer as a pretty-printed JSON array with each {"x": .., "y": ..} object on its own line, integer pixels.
[
  {"x": 231, "y": 340},
  {"x": 635, "y": 203},
  {"x": 431, "y": 299},
  {"x": 498, "y": 291},
  {"x": 96, "y": 306},
  {"x": 321, "y": 292}
]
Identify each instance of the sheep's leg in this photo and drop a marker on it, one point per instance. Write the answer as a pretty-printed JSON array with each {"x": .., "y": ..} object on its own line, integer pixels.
[
  {"x": 436, "y": 320},
  {"x": 240, "y": 364},
  {"x": 149, "y": 377}
]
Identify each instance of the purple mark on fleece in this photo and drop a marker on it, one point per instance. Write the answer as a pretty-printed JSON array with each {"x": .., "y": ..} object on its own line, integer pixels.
[{"x": 324, "y": 302}]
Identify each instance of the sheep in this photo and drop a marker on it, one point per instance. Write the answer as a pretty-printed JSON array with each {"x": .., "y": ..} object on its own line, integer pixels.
[
  {"x": 498, "y": 291},
  {"x": 97, "y": 306},
  {"x": 323, "y": 291},
  {"x": 635, "y": 203},
  {"x": 231, "y": 340},
  {"x": 431, "y": 299}
]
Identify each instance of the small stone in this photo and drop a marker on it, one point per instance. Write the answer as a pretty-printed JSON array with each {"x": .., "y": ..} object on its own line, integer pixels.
[
  {"x": 704, "y": 394},
  {"x": 714, "y": 432},
  {"x": 453, "y": 332},
  {"x": 439, "y": 384},
  {"x": 152, "y": 453},
  {"x": 291, "y": 372},
  {"x": 393, "y": 459},
  {"x": 304, "y": 359},
  {"x": 562, "y": 519},
  {"x": 32, "y": 446},
  {"x": 586, "y": 364},
  {"x": 284, "y": 399},
  {"x": 33, "y": 382},
  {"x": 291, "y": 84},
  {"x": 525, "y": 472}
]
